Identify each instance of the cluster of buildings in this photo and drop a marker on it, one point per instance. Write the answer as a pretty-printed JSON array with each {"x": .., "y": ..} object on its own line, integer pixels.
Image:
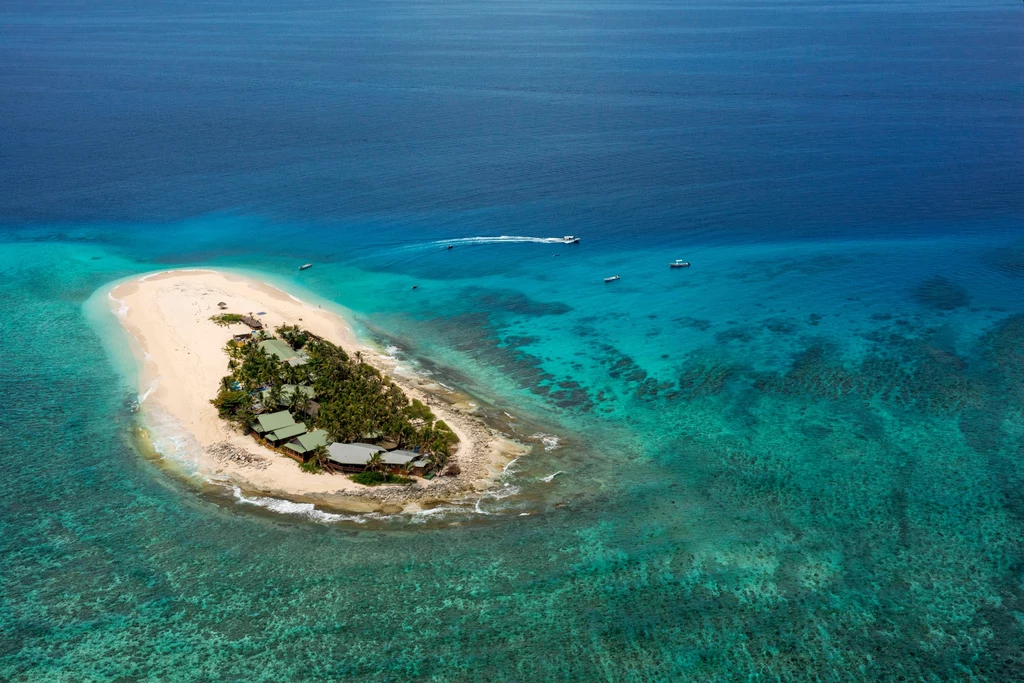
[{"x": 282, "y": 430}]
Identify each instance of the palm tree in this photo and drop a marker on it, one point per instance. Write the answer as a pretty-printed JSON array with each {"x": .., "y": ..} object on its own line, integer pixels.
[
  {"x": 299, "y": 401},
  {"x": 318, "y": 458},
  {"x": 437, "y": 461},
  {"x": 376, "y": 463},
  {"x": 274, "y": 396}
]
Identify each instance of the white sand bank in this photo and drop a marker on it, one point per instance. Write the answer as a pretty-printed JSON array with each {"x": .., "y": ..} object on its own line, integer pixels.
[{"x": 182, "y": 360}]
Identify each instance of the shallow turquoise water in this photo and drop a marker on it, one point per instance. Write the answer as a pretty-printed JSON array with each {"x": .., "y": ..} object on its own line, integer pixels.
[
  {"x": 824, "y": 475},
  {"x": 800, "y": 459}
]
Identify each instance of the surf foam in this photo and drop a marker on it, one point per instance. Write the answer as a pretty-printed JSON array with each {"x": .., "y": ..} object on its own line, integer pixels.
[{"x": 287, "y": 507}]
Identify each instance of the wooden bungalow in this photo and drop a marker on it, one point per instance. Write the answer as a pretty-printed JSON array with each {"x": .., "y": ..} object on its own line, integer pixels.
[
  {"x": 398, "y": 461},
  {"x": 281, "y": 349},
  {"x": 276, "y": 427},
  {"x": 284, "y": 433},
  {"x": 350, "y": 457},
  {"x": 277, "y": 347},
  {"x": 269, "y": 422},
  {"x": 252, "y": 322},
  {"x": 302, "y": 445}
]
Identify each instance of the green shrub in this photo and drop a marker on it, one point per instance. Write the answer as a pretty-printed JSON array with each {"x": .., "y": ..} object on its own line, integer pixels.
[
  {"x": 231, "y": 403},
  {"x": 225, "y": 319},
  {"x": 377, "y": 478}
]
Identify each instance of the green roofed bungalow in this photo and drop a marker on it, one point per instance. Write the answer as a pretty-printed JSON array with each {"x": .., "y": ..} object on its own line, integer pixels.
[
  {"x": 287, "y": 432},
  {"x": 308, "y": 442},
  {"x": 271, "y": 422},
  {"x": 277, "y": 347}
]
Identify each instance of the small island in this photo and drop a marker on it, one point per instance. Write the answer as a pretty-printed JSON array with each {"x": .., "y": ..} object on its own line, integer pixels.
[
  {"x": 304, "y": 397},
  {"x": 305, "y": 411}
]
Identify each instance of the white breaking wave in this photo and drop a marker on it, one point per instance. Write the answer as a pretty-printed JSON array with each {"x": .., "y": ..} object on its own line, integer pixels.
[
  {"x": 171, "y": 440},
  {"x": 149, "y": 391},
  {"x": 287, "y": 507},
  {"x": 495, "y": 494},
  {"x": 122, "y": 309},
  {"x": 550, "y": 441},
  {"x": 548, "y": 479},
  {"x": 420, "y": 516}
]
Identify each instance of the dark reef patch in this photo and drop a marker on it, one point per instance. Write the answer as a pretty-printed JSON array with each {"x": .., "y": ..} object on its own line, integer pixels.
[
  {"x": 1007, "y": 260},
  {"x": 694, "y": 323},
  {"x": 941, "y": 294},
  {"x": 762, "y": 270},
  {"x": 703, "y": 379},
  {"x": 737, "y": 334},
  {"x": 514, "y": 341},
  {"x": 1004, "y": 351},
  {"x": 930, "y": 379},
  {"x": 780, "y": 326},
  {"x": 510, "y": 301}
]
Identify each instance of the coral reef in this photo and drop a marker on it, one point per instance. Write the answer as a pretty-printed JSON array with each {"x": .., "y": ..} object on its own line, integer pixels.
[{"x": 941, "y": 294}]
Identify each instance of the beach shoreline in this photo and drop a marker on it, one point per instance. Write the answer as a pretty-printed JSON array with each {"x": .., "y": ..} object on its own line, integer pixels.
[{"x": 179, "y": 353}]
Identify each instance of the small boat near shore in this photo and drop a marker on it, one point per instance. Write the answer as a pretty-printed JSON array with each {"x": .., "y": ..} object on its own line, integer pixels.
[
  {"x": 305, "y": 266},
  {"x": 613, "y": 278},
  {"x": 679, "y": 264},
  {"x": 570, "y": 239}
]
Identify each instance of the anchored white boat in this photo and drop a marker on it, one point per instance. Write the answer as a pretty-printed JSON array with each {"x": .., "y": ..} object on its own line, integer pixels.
[
  {"x": 570, "y": 239},
  {"x": 679, "y": 264},
  {"x": 305, "y": 266},
  {"x": 613, "y": 278}
]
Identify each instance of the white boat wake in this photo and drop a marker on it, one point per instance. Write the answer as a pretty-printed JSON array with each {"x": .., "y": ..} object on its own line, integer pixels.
[{"x": 500, "y": 239}]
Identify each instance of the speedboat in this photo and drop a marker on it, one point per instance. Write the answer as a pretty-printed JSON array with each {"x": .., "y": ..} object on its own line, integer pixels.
[
  {"x": 569, "y": 239},
  {"x": 305, "y": 266},
  {"x": 679, "y": 264},
  {"x": 613, "y": 278}
]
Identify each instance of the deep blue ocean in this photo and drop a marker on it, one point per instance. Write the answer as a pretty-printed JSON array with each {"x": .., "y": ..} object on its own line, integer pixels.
[{"x": 801, "y": 458}]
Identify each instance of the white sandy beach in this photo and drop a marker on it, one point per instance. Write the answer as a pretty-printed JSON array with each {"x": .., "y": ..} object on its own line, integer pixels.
[{"x": 182, "y": 360}]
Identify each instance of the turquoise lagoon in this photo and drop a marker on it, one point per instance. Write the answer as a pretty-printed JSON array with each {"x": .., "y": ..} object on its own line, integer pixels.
[
  {"x": 787, "y": 456},
  {"x": 800, "y": 459}
]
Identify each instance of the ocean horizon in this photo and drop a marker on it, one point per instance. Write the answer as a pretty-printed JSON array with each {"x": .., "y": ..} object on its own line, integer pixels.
[{"x": 800, "y": 458}]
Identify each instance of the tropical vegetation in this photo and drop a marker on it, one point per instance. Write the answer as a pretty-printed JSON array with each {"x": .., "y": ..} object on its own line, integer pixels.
[
  {"x": 354, "y": 401},
  {"x": 225, "y": 319},
  {"x": 372, "y": 478}
]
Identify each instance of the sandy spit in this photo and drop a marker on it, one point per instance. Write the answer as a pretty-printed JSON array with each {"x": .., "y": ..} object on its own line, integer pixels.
[{"x": 181, "y": 359}]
